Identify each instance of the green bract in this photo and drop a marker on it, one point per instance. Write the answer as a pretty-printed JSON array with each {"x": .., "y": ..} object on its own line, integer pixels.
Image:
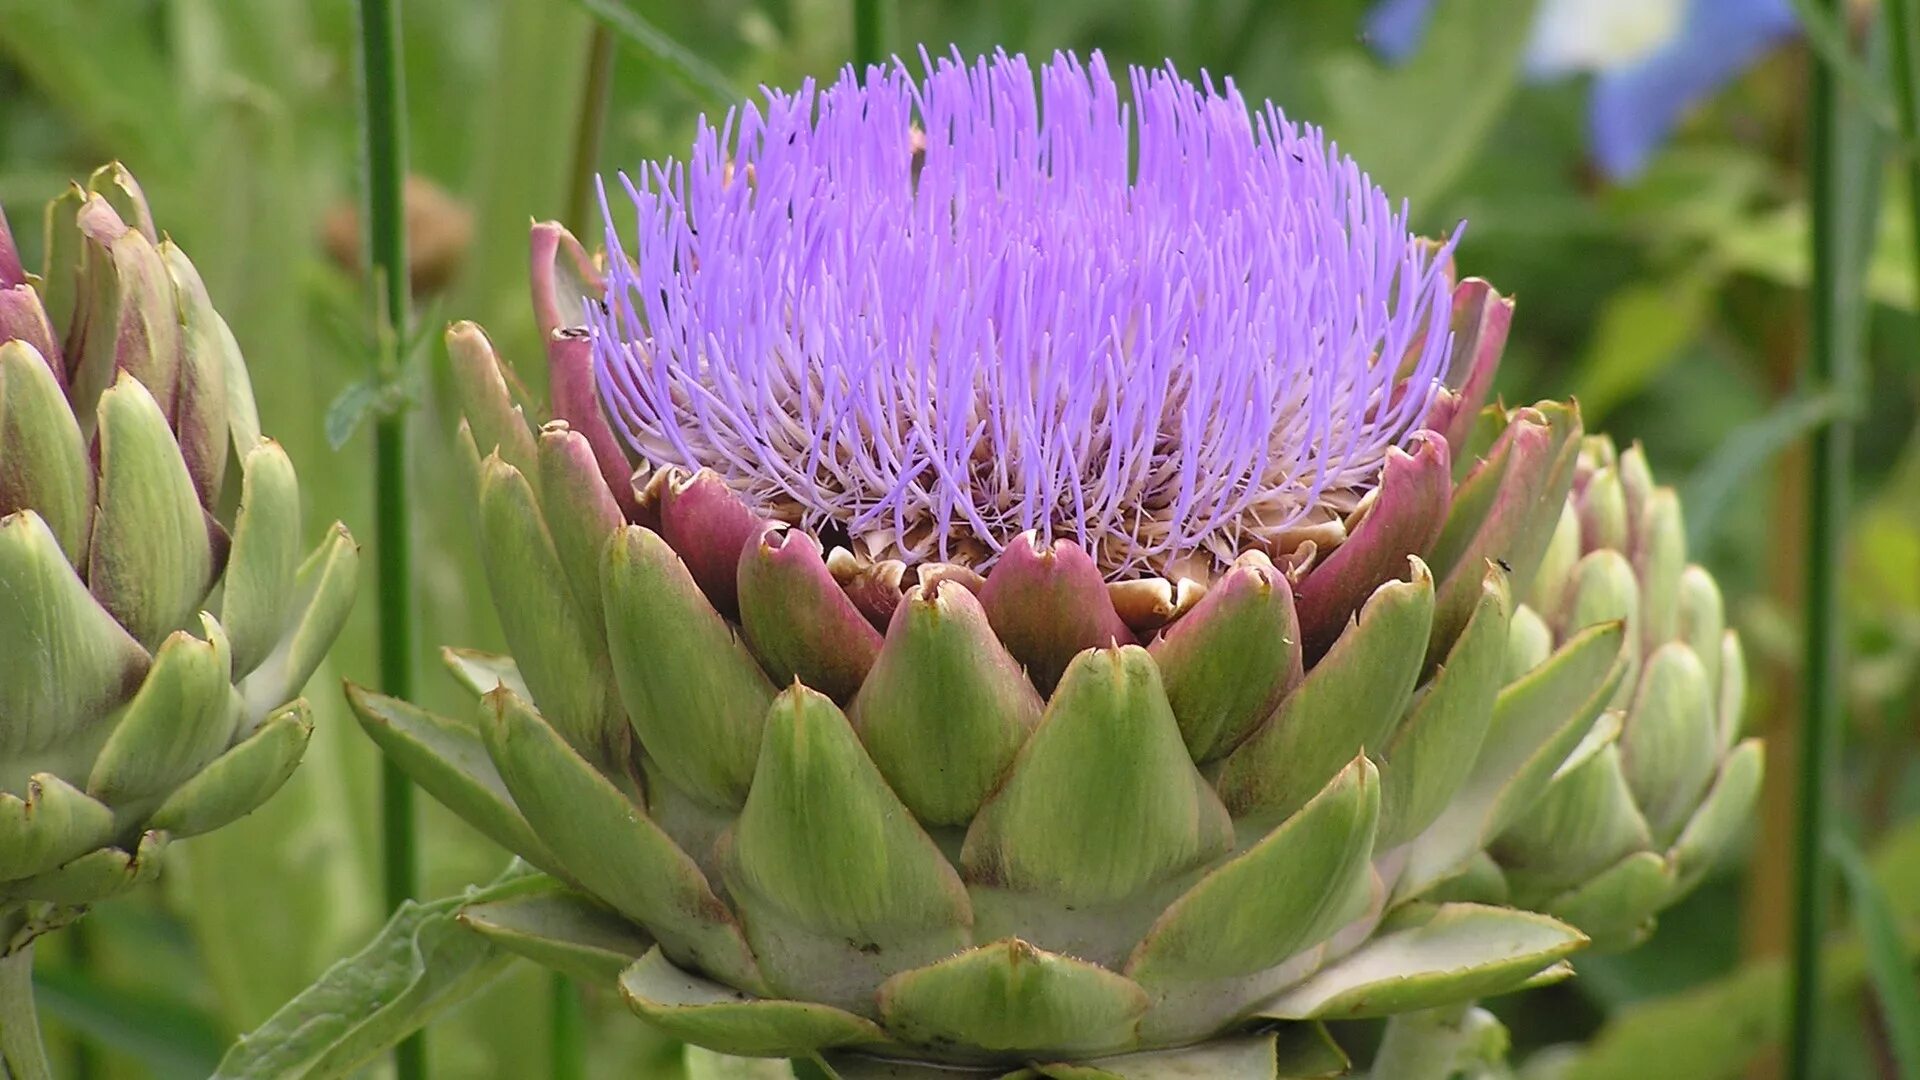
[
  {"x": 906, "y": 820},
  {"x": 157, "y": 615}
]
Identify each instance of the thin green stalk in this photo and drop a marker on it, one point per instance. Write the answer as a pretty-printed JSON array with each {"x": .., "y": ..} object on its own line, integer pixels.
[
  {"x": 22, "y": 1057},
  {"x": 569, "y": 1050},
  {"x": 1903, "y": 23},
  {"x": 383, "y": 127},
  {"x": 869, "y": 32},
  {"x": 85, "y": 1063},
  {"x": 594, "y": 98},
  {"x": 1832, "y": 362}
]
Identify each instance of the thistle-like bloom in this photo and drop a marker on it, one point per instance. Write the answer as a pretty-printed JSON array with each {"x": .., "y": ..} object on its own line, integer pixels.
[
  {"x": 1652, "y": 60},
  {"x": 1054, "y": 606},
  {"x": 938, "y": 314}
]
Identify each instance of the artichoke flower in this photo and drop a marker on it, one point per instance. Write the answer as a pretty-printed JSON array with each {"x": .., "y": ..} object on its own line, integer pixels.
[
  {"x": 1012, "y": 583},
  {"x": 157, "y": 620},
  {"x": 1645, "y": 807}
]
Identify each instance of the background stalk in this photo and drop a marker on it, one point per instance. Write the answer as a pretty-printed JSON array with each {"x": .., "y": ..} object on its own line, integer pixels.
[
  {"x": 869, "y": 32},
  {"x": 1903, "y": 23},
  {"x": 383, "y": 129},
  {"x": 22, "y": 1057},
  {"x": 82, "y": 1060},
  {"x": 569, "y": 1058},
  {"x": 1832, "y": 363}
]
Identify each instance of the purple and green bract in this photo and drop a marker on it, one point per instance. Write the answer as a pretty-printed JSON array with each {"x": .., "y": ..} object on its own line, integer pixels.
[{"x": 933, "y": 312}]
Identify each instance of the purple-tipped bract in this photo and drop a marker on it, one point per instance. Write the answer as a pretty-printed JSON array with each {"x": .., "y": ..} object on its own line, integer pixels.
[{"x": 933, "y": 313}]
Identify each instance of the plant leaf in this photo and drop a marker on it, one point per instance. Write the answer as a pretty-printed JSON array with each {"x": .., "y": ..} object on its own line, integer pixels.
[
  {"x": 686, "y": 66},
  {"x": 1888, "y": 964},
  {"x": 420, "y": 963},
  {"x": 350, "y": 409}
]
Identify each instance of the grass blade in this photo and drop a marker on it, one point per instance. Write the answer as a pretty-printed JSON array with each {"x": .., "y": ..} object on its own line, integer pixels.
[
  {"x": 686, "y": 66},
  {"x": 1903, "y": 24},
  {"x": 1887, "y": 962}
]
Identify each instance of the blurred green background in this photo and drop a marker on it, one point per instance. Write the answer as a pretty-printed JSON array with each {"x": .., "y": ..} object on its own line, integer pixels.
[{"x": 1670, "y": 305}]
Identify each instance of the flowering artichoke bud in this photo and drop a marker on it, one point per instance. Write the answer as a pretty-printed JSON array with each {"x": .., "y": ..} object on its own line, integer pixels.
[
  {"x": 158, "y": 620},
  {"x": 1660, "y": 788},
  {"x": 1004, "y": 587}
]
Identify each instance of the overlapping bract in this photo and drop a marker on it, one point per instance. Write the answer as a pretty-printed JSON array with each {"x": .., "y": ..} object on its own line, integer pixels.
[
  {"x": 158, "y": 619},
  {"x": 800, "y": 803}
]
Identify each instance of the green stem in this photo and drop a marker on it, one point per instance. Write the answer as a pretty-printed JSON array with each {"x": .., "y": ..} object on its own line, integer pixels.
[
  {"x": 1903, "y": 22},
  {"x": 569, "y": 1049},
  {"x": 869, "y": 32},
  {"x": 1459, "y": 1042},
  {"x": 594, "y": 98},
  {"x": 80, "y": 958},
  {"x": 21, "y": 1055},
  {"x": 1832, "y": 363},
  {"x": 384, "y": 129}
]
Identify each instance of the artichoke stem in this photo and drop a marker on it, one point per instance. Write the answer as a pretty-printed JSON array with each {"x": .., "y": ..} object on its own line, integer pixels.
[
  {"x": 22, "y": 1057},
  {"x": 1463, "y": 1041}
]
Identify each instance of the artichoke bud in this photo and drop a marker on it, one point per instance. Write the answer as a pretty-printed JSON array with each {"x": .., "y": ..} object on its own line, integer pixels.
[
  {"x": 1625, "y": 831},
  {"x": 129, "y": 710}
]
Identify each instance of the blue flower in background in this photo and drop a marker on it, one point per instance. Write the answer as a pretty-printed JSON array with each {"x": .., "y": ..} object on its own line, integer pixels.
[{"x": 1652, "y": 60}]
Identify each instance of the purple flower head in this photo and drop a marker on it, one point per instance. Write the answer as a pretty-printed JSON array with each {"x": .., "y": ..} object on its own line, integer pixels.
[{"x": 929, "y": 314}]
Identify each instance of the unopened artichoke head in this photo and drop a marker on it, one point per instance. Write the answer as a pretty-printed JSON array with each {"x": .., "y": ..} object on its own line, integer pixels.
[
  {"x": 159, "y": 612},
  {"x": 1009, "y": 580},
  {"x": 1661, "y": 788}
]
